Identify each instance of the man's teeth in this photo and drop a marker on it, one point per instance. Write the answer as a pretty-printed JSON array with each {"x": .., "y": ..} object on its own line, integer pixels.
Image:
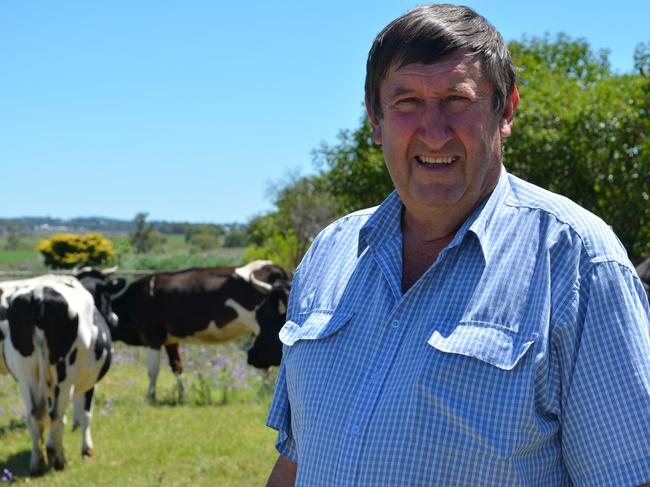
[{"x": 436, "y": 160}]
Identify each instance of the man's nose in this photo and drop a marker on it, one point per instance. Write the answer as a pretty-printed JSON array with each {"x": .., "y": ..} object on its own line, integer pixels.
[{"x": 434, "y": 127}]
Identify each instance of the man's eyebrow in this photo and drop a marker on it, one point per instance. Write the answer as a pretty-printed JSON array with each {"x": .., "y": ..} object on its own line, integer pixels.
[
  {"x": 462, "y": 86},
  {"x": 398, "y": 91}
]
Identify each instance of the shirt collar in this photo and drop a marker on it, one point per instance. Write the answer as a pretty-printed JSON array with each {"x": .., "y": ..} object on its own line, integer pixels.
[
  {"x": 384, "y": 223},
  {"x": 478, "y": 222}
]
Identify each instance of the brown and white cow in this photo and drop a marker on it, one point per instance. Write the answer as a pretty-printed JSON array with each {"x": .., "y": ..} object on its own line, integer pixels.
[
  {"x": 203, "y": 305},
  {"x": 57, "y": 345}
]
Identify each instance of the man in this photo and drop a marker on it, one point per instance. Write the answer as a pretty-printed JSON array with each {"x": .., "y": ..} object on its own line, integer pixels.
[{"x": 472, "y": 330}]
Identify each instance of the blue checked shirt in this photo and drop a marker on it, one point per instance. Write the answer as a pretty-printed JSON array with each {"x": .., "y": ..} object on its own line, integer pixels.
[{"x": 520, "y": 357}]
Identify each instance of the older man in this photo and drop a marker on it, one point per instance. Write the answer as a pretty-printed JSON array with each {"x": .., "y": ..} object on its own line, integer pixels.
[{"x": 473, "y": 329}]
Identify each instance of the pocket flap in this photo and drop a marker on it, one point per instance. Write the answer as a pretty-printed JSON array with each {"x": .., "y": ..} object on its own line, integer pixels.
[
  {"x": 316, "y": 325},
  {"x": 488, "y": 342}
]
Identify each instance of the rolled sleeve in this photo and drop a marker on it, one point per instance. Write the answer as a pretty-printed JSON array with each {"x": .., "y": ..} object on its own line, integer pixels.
[{"x": 606, "y": 414}]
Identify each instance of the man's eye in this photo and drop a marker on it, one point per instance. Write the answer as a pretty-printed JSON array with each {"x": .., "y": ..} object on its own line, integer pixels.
[{"x": 406, "y": 102}]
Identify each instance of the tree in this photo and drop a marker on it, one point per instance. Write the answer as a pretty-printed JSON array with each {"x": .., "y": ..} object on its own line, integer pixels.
[
  {"x": 236, "y": 237},
  {"x": 582, "y": 131},
  {"x": 302, "y": 210},
  {"x": 68, "y": 250},
  {"x": 13, "y": 235},
  {"x": 203, "y": 237},
  {"x": 144, "y": 238},
  {"x": 353, "y": 171}
]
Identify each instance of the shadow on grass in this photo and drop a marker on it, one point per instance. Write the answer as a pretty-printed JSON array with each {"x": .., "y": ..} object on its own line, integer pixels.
[
  {"x": 13, "y": 425},
  {"x": 17, "y": 464}
]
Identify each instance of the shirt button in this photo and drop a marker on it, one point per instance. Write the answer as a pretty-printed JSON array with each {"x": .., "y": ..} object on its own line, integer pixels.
[
  {"x": 374, "y": 378},
  {"x": 355, "y": 430},
  {"x": 395, "y": 324}
]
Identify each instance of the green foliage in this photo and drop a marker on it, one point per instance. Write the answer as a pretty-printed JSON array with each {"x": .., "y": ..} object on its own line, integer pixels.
[
  {"x": 237, "y": 237},
  {"x": 354, "y": 172},
  {"x": 582, "y": 131},
  {"x": 212, "y": 230},
  {"x": 13, "y": 236},
  {"x": 203, "y": 238},
  {"x": 164, "y": 261},
  {"x": 13, "y": 242},
  {"x": 281, "y": 248},
  {"x": 303, "y": 208},
  {"x": 144, "y": 238},
  {"x": 67, "y": 250}
]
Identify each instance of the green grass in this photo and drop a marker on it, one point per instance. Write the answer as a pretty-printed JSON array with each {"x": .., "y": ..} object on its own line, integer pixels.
[
  {"x": 161, "y": 444},
  {"x": 17, "y": 256},
  {"x": 25, "y": 257},
  {"x": 163, "y": 259},
  {"x": 173, "y": 254}
]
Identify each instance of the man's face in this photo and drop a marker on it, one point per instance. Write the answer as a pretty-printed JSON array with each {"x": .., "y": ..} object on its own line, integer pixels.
[{"x": 440, "y": 134}]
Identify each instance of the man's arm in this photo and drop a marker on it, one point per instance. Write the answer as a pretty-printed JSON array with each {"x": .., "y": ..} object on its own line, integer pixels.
[{"x": 283, "y": 473}]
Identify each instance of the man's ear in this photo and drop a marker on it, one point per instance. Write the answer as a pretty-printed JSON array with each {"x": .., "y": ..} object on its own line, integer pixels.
[
  {"x": 508, "y": 114},
  {"x": 374, "y": 120}
]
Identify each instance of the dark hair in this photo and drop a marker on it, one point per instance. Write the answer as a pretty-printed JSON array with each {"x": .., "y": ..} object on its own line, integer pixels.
[{"x": 430, "y": 32}]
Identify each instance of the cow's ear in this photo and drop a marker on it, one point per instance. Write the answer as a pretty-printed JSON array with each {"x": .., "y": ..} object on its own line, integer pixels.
[{"x": 116, "y": 285}]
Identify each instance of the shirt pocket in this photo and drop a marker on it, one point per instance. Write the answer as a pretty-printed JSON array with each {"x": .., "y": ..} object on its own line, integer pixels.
[
  {"x": 316, "y": 325},
  {"x": 311, "y": 350},
  {"x": 491, "y": 343}
]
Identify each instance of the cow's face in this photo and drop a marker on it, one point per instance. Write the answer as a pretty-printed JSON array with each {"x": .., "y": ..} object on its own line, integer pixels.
[
  {"x": 102, "y": 287},
  {"x": 271, "y": 316},
  {"x": 126, "y": 307},
  {"x": 272, "y": 274}
]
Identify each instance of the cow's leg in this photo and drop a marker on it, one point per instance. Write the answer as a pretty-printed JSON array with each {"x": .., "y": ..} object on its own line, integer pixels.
[
  {"x": 83, "y": 404},
  {"x": 57, "y": 405},
  {"x": 36, "y": 421},
  {"x": 176, "y": 364},
  {"x": 153, "y": 365}
]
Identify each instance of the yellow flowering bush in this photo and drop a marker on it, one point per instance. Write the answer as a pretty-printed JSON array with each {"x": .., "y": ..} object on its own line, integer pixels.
[{"x": 66, "y": 250}]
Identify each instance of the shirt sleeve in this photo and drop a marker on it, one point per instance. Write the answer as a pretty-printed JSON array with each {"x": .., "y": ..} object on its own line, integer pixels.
[
  {"x": 606, "y": 395},
  {"x": 279, "y": 417}
]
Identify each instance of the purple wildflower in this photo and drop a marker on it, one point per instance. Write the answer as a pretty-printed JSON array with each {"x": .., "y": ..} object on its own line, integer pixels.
[{"x": 7, "y": 476}]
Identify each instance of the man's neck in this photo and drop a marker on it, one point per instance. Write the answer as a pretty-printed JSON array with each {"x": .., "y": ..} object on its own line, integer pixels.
[{"x": 422, "y": 241}]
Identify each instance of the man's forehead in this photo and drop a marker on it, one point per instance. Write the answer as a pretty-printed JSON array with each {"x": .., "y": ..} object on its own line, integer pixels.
[
  {"x": 459, "y": 73},
  {"x": 459, "y": 63}
]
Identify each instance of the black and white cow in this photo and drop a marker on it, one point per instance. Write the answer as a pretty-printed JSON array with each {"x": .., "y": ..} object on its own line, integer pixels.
[
  {"x": 57, "y": 345},
  {"x": 203, "y": 305}
]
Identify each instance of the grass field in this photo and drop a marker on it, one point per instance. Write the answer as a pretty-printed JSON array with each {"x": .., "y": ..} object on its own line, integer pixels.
[{"x": 206, "y": 441}]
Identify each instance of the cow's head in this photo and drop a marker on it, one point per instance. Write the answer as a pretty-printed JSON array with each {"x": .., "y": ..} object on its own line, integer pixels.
[
  {"x": 271, "y": 316},
  {"x": 102, "y": 287},
  {"x": 3, "y": 311},
  {"x": 264, "y": 274}
]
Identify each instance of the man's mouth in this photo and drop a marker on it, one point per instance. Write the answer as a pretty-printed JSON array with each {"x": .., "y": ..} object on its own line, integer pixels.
[{"x": 433, "y": 161}]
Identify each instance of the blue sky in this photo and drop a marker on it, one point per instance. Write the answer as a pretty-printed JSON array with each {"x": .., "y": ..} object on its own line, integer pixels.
[{"x": 188, "y": 110}]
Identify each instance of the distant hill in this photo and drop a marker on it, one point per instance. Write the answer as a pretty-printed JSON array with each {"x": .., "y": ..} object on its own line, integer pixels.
[{"x": 49, "y": 225}]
